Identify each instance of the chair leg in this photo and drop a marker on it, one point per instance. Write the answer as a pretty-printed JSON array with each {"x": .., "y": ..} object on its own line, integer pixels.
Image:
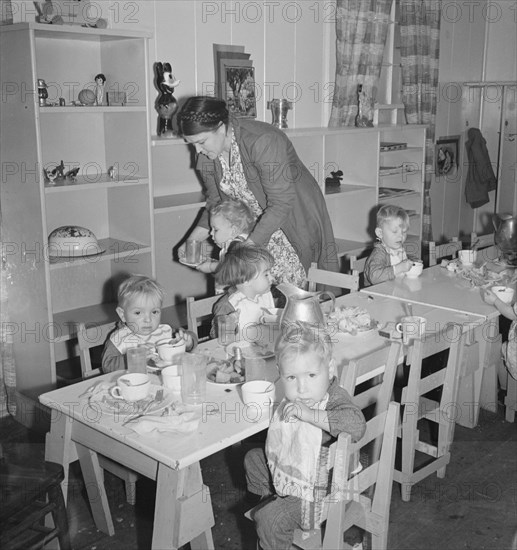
[
  {"x": 379, "y": 541},
  {"x": 510, "y": 400},
  {"x": 55, "y": 495},
  {"x": 410, "y": 435}
]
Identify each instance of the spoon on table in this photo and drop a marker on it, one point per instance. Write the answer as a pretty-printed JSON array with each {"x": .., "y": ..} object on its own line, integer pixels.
[{"x": 409, "y": 309}]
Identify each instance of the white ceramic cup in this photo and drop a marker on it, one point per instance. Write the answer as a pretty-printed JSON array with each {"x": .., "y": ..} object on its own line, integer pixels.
[
  {"x": 467, "y": 257},
  {"x": 171, "y": 377},
  {"x": 504, "y": 293},
  {"x": 258, "y": 393},
  {"x": 411, "y": 327},
  {"x": 168, "y": 349},
  {"x": 415, "y": 271},
  {"x": 132, "y": 387}
]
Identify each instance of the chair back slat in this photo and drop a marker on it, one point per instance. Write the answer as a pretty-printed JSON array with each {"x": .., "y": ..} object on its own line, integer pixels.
[
  {"x": 319, "y": 276},
  {"x": 437, "y": 252},
  {"x": 197, "y": 310}
]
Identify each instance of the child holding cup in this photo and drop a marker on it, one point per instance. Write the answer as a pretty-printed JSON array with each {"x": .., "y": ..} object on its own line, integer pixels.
[
  {"x": 139, "y": 307},
  {"x": 388, "y": 257},
  {"x": 293, "y": 468}
]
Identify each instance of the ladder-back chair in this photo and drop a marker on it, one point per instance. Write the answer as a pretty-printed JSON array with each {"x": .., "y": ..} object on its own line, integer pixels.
[
  {"x": 437, "y": 252},
  {"x": 88, "y": 337},
  {"x": 316, "y": 276},
  {"x": 199, "y": 313},
  {"x": 437, "y": 407}
]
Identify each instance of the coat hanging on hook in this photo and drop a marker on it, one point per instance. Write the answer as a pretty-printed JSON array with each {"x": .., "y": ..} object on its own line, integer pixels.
[{"x": 480, "y": 176}]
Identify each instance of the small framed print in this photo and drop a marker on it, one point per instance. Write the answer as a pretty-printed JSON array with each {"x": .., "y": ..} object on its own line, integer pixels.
[
  {"x": 447, "y": 156},
  {"x": 238, "y": 87},
  {"x": 116, "y": 98}
]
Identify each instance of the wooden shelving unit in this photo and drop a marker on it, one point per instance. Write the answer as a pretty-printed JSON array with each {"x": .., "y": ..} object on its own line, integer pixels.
[{"x": 48, "y": 296}]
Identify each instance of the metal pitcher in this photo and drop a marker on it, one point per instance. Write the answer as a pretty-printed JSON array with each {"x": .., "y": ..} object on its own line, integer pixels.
[
  {"x": 302, "y": 305},
  {"x": 506, "y": 236}
]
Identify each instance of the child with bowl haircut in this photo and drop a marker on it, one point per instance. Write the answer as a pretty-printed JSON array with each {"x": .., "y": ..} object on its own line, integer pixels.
[
  {"x": 388, "y": 257},
  {"x": 139, "y": 307},
  {"x": 230, "y": 220},
  {"x": 246, "y": 273},
  {"x": 294, "y": 468}
]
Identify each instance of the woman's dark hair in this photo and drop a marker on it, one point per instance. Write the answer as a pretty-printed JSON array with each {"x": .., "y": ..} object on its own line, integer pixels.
[{"x": 201, "y": 114}]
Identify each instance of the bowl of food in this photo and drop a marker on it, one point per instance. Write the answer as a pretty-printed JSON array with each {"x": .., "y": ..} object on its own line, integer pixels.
[
  {"x": 504, "y": 293},
  {"x": 72, "y": 241}
]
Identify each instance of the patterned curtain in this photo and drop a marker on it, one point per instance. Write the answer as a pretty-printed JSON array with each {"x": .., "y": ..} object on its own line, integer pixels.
[
  {"x": 361, "y": 29},
  {"x": 7, "y": 370},
  {"x": 419, "y": 50}
]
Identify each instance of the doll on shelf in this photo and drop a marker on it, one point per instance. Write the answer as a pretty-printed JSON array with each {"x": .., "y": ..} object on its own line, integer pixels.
[
  {"x": 100, "y": 81},
  {"x": 166, "y": 103}
]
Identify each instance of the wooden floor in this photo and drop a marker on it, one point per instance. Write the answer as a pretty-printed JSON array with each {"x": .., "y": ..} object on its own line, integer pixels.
[{"x": 474, "y": 507}]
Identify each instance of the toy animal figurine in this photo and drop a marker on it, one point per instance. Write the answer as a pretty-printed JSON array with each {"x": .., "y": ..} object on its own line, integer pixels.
[
  {"x": 166, "y": 104},
  {"x": 60, "y": 170},
  {"x": 51, "y": 175},
  {"x": 72, "y": 174}
]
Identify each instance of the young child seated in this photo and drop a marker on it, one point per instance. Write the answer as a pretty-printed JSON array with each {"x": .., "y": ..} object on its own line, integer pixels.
[
  {"x": 246, "y": 272},
  {"x": 294, "y": 467},
  {"x": 230, "y": 220},
  {"x": 140, "y": 309},
  {"x": 509, "y": 347},
  {"x": 388, "y": 257}
]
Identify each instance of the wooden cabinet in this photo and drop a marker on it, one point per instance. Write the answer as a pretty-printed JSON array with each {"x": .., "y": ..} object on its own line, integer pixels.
[
  {"x": 48, "y": 296},
  {"x": 370, "y": 177}
]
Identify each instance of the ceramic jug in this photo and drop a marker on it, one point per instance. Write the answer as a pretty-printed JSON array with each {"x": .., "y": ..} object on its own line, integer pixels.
[
  {"x": 302, "y": 305},
  {"x": 506, "y": 235}
]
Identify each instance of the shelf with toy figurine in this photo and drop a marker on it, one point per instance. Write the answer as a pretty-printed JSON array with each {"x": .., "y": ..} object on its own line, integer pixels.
[{"x": 102, "y": 181}]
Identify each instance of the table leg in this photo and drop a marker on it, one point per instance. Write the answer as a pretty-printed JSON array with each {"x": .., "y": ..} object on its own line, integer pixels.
[
  {"x": 58, "y": 445},
  {"x": 490, "y": 354},
  {"x": 183, "y": 511},
  {"x": 94, "y": 483}
]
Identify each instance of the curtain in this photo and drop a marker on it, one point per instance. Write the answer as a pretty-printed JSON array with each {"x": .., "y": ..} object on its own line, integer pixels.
[
  {"x": 7, "y": 369},
  {"x": 419, "y": 50},
  {"x": 361, "y": 29}
]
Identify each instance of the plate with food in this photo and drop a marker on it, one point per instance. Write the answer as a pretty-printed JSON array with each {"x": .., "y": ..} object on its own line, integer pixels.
[
  {"x": 352, "y": 320},
  {"x": 221, "y": 372},
  {"x": 157, "y": 400}
]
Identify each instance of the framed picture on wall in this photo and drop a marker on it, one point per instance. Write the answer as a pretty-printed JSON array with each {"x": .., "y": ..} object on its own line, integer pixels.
[
  {"x": 447, "y": 156},
  {"x": 238, "y": 87}
]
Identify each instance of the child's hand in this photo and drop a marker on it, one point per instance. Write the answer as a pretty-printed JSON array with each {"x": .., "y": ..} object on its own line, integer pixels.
[
  {"x": 208, "y": 266},
  {"x": 186, "y": 336},
  {"x": 296, "y": 410},
  {"x": 488, "y": 296},
  {"x": 403, "y": 267}
]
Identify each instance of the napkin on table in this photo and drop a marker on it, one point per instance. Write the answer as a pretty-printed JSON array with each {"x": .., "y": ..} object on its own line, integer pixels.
[{"x": 178, "y": 419}]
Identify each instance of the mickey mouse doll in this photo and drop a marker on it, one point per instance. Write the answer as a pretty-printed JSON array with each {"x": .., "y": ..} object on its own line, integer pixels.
[{"x": 166, "y": 104}]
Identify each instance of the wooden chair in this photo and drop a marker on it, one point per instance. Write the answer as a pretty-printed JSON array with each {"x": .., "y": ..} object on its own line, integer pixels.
[
  {"x": 363, "y": 498},
  {"x": 369, "y": 380},
  {"x": 88, "y": 337},
  {"x": 330, "y": 278},
  {"x": 28, "y": 495},
  {"x": 357, "y": 268},
  {"x": 437, "y": 252},
  {"x": 439, "y": 408},
  {"x": 199, "y": 311},
  {"x": 485, "y": 245},
  {"x": 510, "y": 400}
]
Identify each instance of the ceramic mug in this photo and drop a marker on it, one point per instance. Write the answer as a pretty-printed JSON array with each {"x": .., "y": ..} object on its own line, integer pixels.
[
  {"x": 259, "y": 394},
  {"x": 133, "y": 386},
  {"x": 411, "y": 327},
  {"x": 415, "y": 271},
  {"x": 168, "y": 349}
]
